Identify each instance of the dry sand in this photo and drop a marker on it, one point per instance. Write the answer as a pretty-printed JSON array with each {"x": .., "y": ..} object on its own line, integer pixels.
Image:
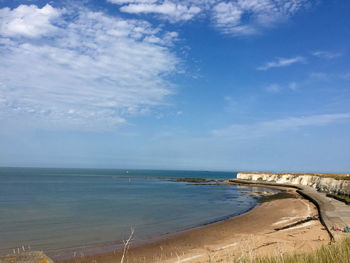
[{"x": 248, "y": 235}]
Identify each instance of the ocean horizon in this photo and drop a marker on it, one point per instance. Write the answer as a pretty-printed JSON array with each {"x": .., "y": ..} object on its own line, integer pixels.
[{"x": 61, "y": 209}]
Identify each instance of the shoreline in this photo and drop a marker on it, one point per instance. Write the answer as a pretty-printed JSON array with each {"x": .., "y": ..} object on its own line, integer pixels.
[
  {"x": 117, "y": 246},
  {"x": 332, "y": 212},
  {"x": 198, "y": 243},
  {"x": 61, "y": 255},
  {"x": 67, "y": 254}
]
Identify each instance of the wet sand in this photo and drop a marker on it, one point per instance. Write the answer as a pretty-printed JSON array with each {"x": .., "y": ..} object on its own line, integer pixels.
[{"x": 251, "y": 234}]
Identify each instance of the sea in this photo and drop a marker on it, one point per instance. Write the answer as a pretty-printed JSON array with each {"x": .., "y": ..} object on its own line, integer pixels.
[{"x": 64, "y": 210}]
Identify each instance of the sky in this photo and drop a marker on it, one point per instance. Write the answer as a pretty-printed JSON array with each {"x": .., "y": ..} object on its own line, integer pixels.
[{"x": 254, "y": 85}]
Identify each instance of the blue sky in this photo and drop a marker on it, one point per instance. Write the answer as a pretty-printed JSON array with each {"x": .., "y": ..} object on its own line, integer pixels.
[{"x": 208, "y": 85}]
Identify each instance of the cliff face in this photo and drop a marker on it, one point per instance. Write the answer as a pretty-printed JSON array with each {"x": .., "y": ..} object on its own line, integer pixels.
[{"x": 322, "y": 184}]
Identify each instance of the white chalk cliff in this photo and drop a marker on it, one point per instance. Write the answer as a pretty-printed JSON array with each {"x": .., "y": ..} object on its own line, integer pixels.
[{"x": 322, "y": 184}]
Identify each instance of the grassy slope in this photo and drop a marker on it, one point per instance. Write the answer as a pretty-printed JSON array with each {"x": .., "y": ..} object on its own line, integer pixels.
[{"x": 335, "y": 253}]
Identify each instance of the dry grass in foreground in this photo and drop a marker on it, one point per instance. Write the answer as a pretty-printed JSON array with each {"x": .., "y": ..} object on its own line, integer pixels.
[{"x": 335, "y": 253}]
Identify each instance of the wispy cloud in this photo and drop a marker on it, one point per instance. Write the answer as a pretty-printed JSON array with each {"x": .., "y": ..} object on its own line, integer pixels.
[
  {"x": 239, "y": 17},
  {"x": 293, "y": 86},
  {"x": 320, "y": 76},
  {"x": 281, "y": 62},
  {"x": 267, "y": 128},
  {"x": 250, "y": 17},
  {"x": 171, "y": 11},
  {"x": 277, "y": 88},
  {"x": 119, "y": 2},
  {"x": 227, "y": 17},
  {"x": 83, "y": 70},
  {"x": 326, "y": 54},
  {"x": 273, "y": 88}
]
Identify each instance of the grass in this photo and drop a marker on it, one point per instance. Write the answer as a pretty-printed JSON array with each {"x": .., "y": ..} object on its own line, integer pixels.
[{"x": 335, "y": 253}]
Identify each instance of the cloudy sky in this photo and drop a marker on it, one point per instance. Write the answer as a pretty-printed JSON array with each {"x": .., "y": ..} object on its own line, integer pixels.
[{"x": 176, "y": 84}]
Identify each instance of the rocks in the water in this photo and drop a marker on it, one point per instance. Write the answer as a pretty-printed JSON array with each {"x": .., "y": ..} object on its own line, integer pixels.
[{"x": 193, "y": 180}]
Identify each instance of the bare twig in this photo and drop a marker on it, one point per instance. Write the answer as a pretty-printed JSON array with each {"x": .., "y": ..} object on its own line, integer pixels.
[{"x": 127, "y": 244}]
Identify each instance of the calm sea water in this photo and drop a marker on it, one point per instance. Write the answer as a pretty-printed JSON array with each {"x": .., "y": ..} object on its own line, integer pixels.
[{"x": 56, "y": 209}]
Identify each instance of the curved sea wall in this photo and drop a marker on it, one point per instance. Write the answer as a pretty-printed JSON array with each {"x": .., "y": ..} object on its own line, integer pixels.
[{"x": 319, "y": 182}]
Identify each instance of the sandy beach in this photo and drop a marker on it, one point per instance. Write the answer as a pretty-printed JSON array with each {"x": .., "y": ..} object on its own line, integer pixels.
[{"x": 272, "y": 228}]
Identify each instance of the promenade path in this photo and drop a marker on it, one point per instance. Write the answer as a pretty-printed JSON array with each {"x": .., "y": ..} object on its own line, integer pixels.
[{"x": 333, "y": 213}]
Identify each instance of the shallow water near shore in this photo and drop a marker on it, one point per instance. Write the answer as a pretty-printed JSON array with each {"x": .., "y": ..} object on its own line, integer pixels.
[{"x": 57, "y": 209}]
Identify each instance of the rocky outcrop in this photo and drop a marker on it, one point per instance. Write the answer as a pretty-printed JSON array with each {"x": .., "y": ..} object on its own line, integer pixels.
[{"x": 328, "y": 184}]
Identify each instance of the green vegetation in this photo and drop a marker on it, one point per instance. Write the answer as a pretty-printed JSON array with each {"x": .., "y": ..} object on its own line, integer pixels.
[
  {"x": 338, "y": 252},
  {"x": 280, "y": 195},
  {"x": 259, "y": 183},
  {"x": 343, "y": 198}
]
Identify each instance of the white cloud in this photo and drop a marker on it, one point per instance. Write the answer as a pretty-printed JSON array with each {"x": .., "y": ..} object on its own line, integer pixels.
[
  {"x": 326, "y": 54},
  {"x": 173, "y": 12},
  {"x": 292, "y": 86},
  {"x": 246, "y": 17},
  {"x": 267, "y": 128},
  {"x": 236, "y": 17},
  {"x": 273, "y": 88},
  {"x": 120, "y": 2},
  {"x": 28, "y": 21},
  {"x": 281, "y": 62},
  {"x": 227, "y": 17},
  {"x": 93, "y": 73},
  {"x": 277, "y": 88}
]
